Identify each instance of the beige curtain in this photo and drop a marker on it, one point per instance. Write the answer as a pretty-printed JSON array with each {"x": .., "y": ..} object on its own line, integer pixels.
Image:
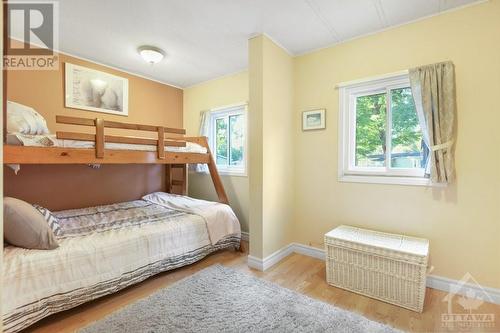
[
  {"x": 433, "y": 88},
  {"x": 202, "y": 131}
]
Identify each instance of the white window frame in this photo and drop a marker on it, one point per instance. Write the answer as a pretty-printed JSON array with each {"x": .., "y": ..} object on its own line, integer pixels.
[
  {"x": 348, "y": 171},
  {"x": 226, "y": 112}
]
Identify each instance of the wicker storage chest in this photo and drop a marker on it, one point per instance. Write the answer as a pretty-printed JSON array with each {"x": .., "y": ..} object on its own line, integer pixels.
[{"x": 391, "y": 268}]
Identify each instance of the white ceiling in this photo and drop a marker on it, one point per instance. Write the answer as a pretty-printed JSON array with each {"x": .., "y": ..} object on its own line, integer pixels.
[{"x": 205, "y": 39}]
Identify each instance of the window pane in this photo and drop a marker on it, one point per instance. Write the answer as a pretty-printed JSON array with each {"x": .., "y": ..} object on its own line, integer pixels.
[
  {"x": 370, "y": 130},
  {"x": 221, "y": 141},
  {"x": 407, "y": 147},
  {"x": 236, "y": 132}
]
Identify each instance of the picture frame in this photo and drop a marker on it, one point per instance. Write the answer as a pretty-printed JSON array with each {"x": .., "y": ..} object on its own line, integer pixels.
[
  {"x": 314, "y": 120},
  {"x": 93, "y": 90}
]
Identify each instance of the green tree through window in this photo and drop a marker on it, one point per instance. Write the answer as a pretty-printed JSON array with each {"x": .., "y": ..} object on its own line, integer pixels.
[
  {"x": 407, "y": 149},
  {"x": 371, "y": 129},
  {"x": 221, "y": 140},
  {"x": 406, "y": 139},
  {"x": 236, "y": 130},
  {"x": 229, "y": 139}
]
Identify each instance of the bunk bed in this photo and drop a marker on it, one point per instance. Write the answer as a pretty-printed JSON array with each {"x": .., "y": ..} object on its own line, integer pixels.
[
  {"x": 131, "y": 154},
  {"x": 162, "y": 231}
]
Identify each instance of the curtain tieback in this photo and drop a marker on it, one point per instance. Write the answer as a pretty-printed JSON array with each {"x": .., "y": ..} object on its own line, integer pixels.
[{"x": 445, "y": 145}]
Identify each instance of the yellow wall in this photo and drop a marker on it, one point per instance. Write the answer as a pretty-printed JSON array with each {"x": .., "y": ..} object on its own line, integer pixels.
[
  {"x": 255, "y": 165},
  {"x": 228, "y": 90},
  {"x": 462, "y": 221},
  {"x": 271, "y": 146}
]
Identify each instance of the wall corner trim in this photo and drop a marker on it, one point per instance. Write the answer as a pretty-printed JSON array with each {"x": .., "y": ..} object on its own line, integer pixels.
[
  {"x": 433, "y": 281},
  {"x": 270, "y": 260}
]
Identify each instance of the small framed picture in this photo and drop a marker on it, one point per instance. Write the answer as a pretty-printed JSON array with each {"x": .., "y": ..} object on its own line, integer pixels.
[{"x": 313, "y": 120}]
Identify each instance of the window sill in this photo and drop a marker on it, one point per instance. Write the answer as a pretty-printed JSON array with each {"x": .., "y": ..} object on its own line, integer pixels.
[
  {"x": 388, "y": 180},
  {"x": 224, "y": 173},
  {"x": 232, "y": 173}
]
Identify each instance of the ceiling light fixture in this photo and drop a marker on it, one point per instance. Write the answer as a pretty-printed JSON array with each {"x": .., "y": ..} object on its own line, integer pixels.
[{"x": 151, "y": 54}]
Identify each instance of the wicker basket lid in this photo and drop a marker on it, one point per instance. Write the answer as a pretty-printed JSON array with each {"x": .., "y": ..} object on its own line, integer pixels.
[{"x": 394, "y": 242}]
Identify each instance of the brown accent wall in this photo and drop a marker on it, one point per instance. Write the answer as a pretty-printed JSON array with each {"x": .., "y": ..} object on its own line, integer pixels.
[
  {"x": 59, "y": 187},
  {"x": 74, "y": 186}
]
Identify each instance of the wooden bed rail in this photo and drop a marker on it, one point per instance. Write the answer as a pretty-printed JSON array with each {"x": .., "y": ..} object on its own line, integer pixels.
[
  {"x": 100, "y": 138},
  {"x": 115, "y": 124},
  {"x": 117, "y": 139},
  {"x": 14, "y": 154}
]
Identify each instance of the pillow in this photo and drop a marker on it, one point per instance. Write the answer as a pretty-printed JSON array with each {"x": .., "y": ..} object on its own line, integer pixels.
[
  {"x": 25, "y": 226},
  {"x": 16, "y": 120},
  {"x": 23, "y": 119},
  {"x": 51, "y": 220}
]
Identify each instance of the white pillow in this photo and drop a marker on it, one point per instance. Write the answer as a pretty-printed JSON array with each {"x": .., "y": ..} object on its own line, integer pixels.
[
  {"x": 16, "y": 122},
  {"x": 41, "y": 122},
  {"x": 23, "y": 119}
]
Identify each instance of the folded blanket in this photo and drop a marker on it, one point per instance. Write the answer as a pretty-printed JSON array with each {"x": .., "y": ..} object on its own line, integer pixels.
[
  {"x": 44, "y": 140},
  {"x": 220, "y": 218},
  {"x": 51, "y": 140},
  {"x": 24, "y": 119}
]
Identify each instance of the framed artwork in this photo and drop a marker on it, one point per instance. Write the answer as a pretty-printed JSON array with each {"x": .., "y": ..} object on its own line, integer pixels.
[
  {"x": 93, "y": 90},
  {"x": 313, "y": 120}
]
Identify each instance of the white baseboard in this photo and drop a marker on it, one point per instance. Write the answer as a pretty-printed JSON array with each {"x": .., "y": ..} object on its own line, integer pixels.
[
  {"x": 487, "y": 294},
  {"x": 245, "y": 236},
  {"x": 254, "y": 262},
  {"x": 309, "y": 251},
  {"x": 270, "y": 260}
]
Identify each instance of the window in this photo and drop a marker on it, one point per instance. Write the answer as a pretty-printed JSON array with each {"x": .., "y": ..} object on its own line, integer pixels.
[
  {"x": 228, "y": 139},
  {"x": 381, "y": 139}
]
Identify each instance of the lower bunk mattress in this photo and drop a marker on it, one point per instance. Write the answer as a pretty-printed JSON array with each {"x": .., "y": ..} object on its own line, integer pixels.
[{"x": 107, "y": 248}]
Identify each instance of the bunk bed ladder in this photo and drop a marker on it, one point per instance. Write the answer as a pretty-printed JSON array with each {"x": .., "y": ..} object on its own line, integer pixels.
[
  {"x": 170, "y": 181},
  {"x": 214, "y": 174}
]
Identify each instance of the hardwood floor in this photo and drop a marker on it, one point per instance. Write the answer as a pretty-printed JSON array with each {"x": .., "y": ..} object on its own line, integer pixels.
[{"x": 301, "y": 273}]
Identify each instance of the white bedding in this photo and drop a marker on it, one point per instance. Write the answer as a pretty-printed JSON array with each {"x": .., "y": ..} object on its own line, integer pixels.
[
  {"x": 102, "y": 250},
  {"x": 219, "y": 217},
  {"x": 24, "y": 119},
  {"x": 50, "y": 140}
]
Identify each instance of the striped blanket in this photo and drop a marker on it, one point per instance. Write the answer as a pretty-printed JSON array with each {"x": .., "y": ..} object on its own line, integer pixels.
[{"x": 102, "y": 250}]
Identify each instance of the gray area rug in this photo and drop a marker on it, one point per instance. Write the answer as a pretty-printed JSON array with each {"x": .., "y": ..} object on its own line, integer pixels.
[{"x": 219, "y": 299}]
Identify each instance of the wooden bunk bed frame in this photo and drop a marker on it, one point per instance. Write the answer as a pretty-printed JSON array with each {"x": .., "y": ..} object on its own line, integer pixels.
[{"x": 100, "y": 155}]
